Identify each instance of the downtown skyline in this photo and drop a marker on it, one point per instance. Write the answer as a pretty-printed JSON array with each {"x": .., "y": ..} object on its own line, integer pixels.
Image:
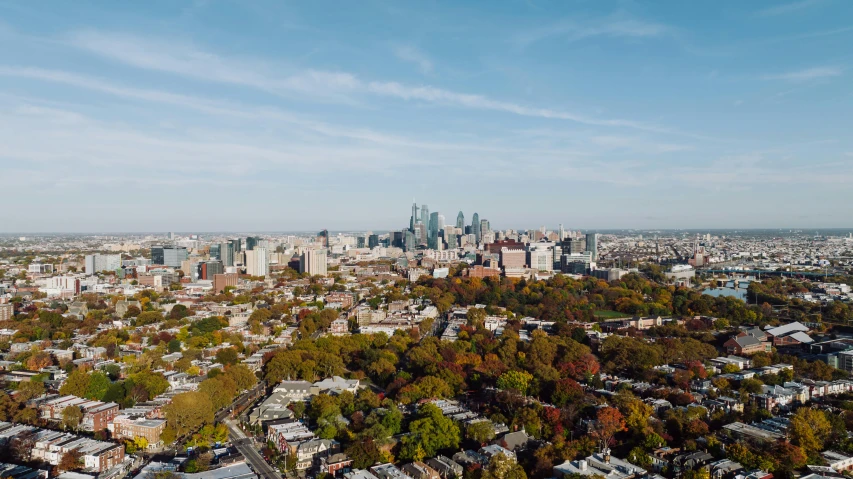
[{"x": 598, "y": 116}]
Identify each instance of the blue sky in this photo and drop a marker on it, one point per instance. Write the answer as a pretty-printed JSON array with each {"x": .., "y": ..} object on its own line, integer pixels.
[{"x": 227, "y": 115}]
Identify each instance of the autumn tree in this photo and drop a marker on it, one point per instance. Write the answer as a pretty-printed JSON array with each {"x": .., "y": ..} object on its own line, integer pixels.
[
  {"x": 480, "y": 431},
  {"x": 429, "y": 433},
  {"x": 188, "y": 411},
  {"x": 515, "y": 380},
  {"x": 71, "y": 461},
  {"x": 503, "y": 467},
  {"x": 608, "y": 423},
  {"x": 809, "y": 429}
]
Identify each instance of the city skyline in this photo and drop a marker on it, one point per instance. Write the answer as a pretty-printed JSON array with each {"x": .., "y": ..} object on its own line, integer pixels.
[{"x": 607, "y": 115}]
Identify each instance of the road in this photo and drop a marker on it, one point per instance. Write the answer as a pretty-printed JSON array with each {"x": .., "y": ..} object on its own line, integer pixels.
[{"x": 247, "y": 449}]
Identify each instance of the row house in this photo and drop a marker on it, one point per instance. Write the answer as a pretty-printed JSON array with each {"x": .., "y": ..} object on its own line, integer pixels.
[
  {"x": 772, "y": 397},
  {"x": 96, "y": 414},
  {"x": 97, "y": 456},
  {"x": 308, "y": 451}
]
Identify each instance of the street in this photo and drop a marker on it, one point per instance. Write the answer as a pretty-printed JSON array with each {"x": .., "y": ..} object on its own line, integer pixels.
[{"x": 247, "y": 449}]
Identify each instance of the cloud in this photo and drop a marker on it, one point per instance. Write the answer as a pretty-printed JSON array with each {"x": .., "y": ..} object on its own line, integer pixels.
[
  {"x": 572, "y": 30},
  {"x": 191, "y": 62},
  {"x": 410, "y": 54},
  {"x": 787, "y": 8},
  {"x": 807, "y": 74}
]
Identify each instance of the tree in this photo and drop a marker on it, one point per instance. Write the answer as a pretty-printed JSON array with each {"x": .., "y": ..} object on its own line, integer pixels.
[
  {"x": 481, "y": 432},
  {"x": 609, "y": 421},
  {"x": 566, "y": 391},
  {"x": 149, "y": 317},
  {"x": 515, "y": 380},
  {"x": 70, "y": 461},
  {"x": 76, "y": 384},
  {"x": 502, "y": 467},
  {"x": 431, "y": 432},
  {"x": 809, "y": 429},
  {"x": 226, "y": 356},
  {"x": 476, "y": 317},
  {"x": 189, "y": 411},
  {"x": 174, "y": 346},
  {"x": 98, "y": 385},
  {"x": 39, "y": 360},
  {"x": 29, "y": 390},
  {"x": 72, "y": 416},
  {"x": 242, "y": 376}
]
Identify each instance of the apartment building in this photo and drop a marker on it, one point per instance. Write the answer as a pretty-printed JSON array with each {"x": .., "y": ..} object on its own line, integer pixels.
[{"x": 128, "y": 427}]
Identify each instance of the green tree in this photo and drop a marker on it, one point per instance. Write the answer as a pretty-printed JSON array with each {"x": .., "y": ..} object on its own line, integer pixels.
[
  {"x": 174, "y": 346},
  {"x": 481, "y": 432},
  {"x": 227, "y": 356},
  {"x": 98, "y": 385},
  {"x": 429, "y": 433},
  {"x": 502, "y": 467},
  {"x": 515, "y": 380},
  {"x": 72, "y": 416},
  {"x": 76, "y": 384}
]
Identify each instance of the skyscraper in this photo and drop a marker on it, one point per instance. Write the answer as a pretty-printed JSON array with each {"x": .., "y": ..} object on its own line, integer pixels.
[
  {"x": 256, "y": 262},
  {"x": 485, "y": 227},
  {"x": 592, "y": 245},
  {"x": 425, "y": 215},
  {"x": 432, "y": 231},
  {"x": 414, "y": 218},
  {"x": 460, "y": 221},
  {"x": 252, "y": 242},
  {"x": 169, "y": 255},
  {"x": 475, "y": 226},
  {"x": 226, "y": 253},
  {"x": 372, "y": 241},
  {"x": 441, "y": 222}
]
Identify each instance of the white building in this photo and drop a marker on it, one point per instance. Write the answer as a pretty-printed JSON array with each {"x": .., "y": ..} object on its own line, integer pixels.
[
  {"x": 102, "y": 262},
  {"x": 313, "y": 262},
  {"x": 256, "y": 262}
]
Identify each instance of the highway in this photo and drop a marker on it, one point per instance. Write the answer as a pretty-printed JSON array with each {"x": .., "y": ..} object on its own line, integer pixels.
[{"x": 247, "y": 449}]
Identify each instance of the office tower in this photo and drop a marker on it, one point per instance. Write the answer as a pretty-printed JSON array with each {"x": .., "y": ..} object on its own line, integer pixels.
[
  {"x": 252, "y": 242},
  {"x": 441, "y": 222},
  {"x": 226, "y": 253},
  {"x": 324, "y": 238},
  {"x": 372, "y": 241},
  {"x": 397, "y": 239},
  {"x": 214, "y": 251},
  {"x": 171, "y": 256},
  {"x": 256, "y": 262},
  {"x": 562, "y": 233},
  {"x": 236, "y": 246},
  {"x": 421, "y": 233},
  {"x": 460, "y": 221},
  {"x": 414, "y": 219},
  {"x": 359, "y": 242},
  {"x": 208, "y": 269},
  {"x": 410, "y": 241},
  {"x": 484, "y": 227},
  {"x": 592, "y": 245},
  {"x": 432, "y": 232},
  {"x": 572, "y": 245},
  {"x": 475, "y": 226},
  {"x": 313, "y": 262},
  {"x": 425, "y": 215},
  {"x": 102, "y": 262},
  {"x": 450, "y": 238},
  {"x": 171, "y": 235}
]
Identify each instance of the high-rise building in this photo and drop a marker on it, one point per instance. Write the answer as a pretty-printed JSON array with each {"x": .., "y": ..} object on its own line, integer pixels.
[
  {"x": 236, "y": 246},
  {"x": 432, "y": 232},
  {"x": 208, "y": 269},
  {"x": 475, "y": 226},
  {"x": 171, "y": 256},
  {"x": 226, "y": 253},
  {"x": 372, "y": 241},
  {"x": 573, "y": 245},
  {"x": 450, "y": 239},
  {"x": 215, "y": 251},
  {"x": 256, "y": 262},
  {"x": 425, "y": 215},
  {"x": 484, "y": 227},
  {"x": 102, "y": 262},
  {"x": 592, "y": 245},
  {"x": 414, "y": 219},
  {"x": 397, "y": 239},
  {"x": 460, "y": 221},
  {"x": 359, "y": 242},
  {"x": 252, "y": 242},
  {"x": 410, "y": 242},
  {"x": 441, "y": 222},
  {"x": 313, "y": 262}
]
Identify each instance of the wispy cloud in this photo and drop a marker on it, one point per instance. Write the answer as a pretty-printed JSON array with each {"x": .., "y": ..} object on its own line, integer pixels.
[
  {"x": 573, "y": 30},
  {"x": 808, "y": 74},
  {"x": 410, "y": 54},
  {"x": 787, "y": 8},
  {"x": 191, "y": 62}
]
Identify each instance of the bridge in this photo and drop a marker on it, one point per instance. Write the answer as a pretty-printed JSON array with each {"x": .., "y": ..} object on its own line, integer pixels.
[{"x": 756, "y": 272}]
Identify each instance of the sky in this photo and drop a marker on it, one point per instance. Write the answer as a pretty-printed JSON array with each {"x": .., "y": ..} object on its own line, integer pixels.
[{"x": 281, "y": 116}]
